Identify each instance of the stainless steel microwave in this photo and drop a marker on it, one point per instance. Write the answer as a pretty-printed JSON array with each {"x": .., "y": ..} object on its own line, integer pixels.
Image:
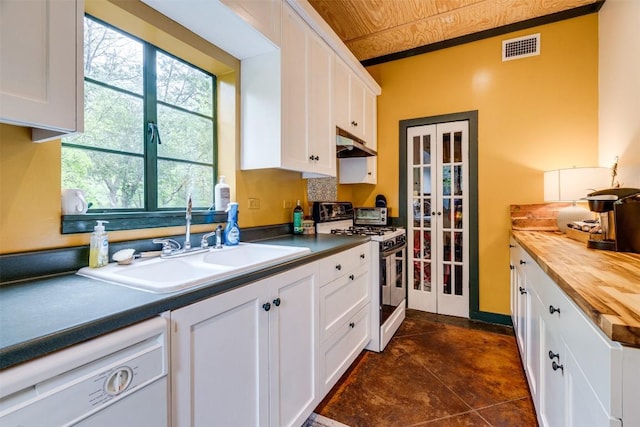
[{"x": 370, "y": 216}]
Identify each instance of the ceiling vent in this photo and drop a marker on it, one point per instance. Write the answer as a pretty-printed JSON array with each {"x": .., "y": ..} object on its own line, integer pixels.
[{"x": 521, "y": 47}]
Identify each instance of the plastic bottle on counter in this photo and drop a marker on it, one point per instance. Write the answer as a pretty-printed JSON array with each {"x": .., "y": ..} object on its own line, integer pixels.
[
  {"x": 298, "y": 216},
  {"x": 99, "y": 247},
  {"x": 232, "y": 230},
  {"x": 222, "y": 194}
]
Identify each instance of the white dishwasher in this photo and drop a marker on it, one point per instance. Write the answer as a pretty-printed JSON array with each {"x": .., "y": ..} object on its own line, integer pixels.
[{"x": 118, "y": 379}]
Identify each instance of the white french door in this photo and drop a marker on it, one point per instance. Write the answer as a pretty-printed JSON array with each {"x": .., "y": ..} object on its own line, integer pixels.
[{"x": 438, "y": 223}]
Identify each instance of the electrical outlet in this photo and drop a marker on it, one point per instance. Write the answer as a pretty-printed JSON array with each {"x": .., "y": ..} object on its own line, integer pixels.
[
  {"x": 253, "y": 203},
  {"x": 287, "y": 204}
]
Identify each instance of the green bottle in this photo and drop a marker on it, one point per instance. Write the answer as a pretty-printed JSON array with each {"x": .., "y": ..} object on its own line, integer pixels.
[{"x": 298, "y": 215}]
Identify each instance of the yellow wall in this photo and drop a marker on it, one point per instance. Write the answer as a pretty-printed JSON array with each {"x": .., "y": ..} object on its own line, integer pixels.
[
  {"x": 534, "y": 114},
  {"x": 30, "y": 173}
]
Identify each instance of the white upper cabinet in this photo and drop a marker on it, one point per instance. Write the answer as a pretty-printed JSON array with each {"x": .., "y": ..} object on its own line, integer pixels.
[
  {"x": 286, "y": 103},
  {"x": 41, "y": 71},
  {"x": 358, "y": 170},
  {"x": 354, "y": 104},
  {"x": 263, "y": 15}
]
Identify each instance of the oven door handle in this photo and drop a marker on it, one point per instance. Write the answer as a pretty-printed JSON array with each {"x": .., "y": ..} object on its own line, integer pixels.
[{"x": 391, "y": 251}]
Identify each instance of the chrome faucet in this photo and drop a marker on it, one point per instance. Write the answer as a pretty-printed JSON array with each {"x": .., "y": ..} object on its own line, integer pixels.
[
  {"x": 187, "y": 239},
  {"x": 204, "y": 243}
]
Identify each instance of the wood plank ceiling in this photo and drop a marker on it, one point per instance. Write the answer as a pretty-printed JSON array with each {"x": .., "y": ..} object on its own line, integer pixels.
[{"x": 380, "y": 30}]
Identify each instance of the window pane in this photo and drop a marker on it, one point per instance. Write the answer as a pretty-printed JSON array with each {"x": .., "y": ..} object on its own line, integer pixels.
[
  {"x": 184, "y": 86},
  {"x": 113, "y": 120},
  {"x": 110, "y": 181},
  {"x": 185, "y": 136},
  {"x": 176, "y": 180},
  {"x": 112, "y": 58}
]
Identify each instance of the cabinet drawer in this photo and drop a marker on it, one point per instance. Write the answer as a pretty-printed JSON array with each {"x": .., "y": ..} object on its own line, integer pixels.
[
  {"x": 341, "y": 298},
  {"x": 340, "y": 350},
  {"x": 337, "y": 265}
]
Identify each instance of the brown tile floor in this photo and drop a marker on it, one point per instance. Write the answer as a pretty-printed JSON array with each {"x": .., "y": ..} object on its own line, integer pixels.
[{"x": 436, "y": 371}]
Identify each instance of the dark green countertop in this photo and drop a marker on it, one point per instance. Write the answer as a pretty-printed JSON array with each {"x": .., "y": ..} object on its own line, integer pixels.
[{"x": 41, "y": 316}]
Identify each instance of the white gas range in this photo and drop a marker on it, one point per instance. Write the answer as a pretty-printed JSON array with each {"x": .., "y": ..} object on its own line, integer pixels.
[{"x": 388, "y": 281}]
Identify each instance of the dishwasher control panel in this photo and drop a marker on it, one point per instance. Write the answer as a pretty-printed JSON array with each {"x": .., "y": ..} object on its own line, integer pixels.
[{"x": 108, "y": 369}]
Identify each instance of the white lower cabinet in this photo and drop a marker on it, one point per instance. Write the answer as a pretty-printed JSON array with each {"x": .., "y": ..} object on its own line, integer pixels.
[
  {"x": 248, "y": 357},
  {"x": 577, "y": 376},
  {"x": 345, "y": 312},
  {"x": 342, "y": 347}
]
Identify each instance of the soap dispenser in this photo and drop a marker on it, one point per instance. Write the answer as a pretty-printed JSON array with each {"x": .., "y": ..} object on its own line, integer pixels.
[{"x": 99, "y": 248}]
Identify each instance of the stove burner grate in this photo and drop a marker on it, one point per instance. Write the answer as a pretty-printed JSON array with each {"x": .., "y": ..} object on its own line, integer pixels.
[{"x": 363, "y": 231}]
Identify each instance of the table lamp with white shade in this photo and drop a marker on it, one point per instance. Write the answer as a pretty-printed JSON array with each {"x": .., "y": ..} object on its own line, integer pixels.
[{"x": 570, "y": 185}]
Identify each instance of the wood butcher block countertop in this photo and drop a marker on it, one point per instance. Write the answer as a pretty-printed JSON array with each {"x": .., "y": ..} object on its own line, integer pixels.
[{"x": 604, "y": 284}]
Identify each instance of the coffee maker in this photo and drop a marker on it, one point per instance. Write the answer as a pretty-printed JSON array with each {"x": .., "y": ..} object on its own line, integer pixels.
[{"x": 619, "y": 211}]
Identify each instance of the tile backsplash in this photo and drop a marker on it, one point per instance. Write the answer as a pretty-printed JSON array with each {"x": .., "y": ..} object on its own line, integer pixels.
[{"x": 322, "y": 189}]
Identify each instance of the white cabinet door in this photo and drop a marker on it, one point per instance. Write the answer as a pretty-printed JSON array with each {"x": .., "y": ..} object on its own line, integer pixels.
[
  {"x": 295, "y": 154},
  {"x": 341, "y": 79},
  {"x": 358, "y": 170},
  {"x": 354, "y": 105},
  {"x": 583, "y": 406},
  {"x": 247, "y": 357},
  {"x": 532, "y": 356},
  {"x": 41, "y": 75},
  {"x": 551, "y": 412},
  {"x": 220, "y": 360},
  {"x": 370, "y": 119},
  {"x": 322, "y": 135},
  {"x": 293, "y": 326}
]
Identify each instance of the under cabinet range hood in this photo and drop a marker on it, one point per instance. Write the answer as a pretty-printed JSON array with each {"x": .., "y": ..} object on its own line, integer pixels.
[{"x": 349, "y": 147}]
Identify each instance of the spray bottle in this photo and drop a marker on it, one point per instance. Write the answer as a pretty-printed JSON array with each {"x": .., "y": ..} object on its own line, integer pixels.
[{"x": 232, "y": 231}]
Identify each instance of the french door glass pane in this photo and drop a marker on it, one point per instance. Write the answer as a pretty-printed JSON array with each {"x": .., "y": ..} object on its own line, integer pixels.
[
  {"x": 446, "y": 212},
  {"x": 446, "y": 279},
  {"x": 112, "y": 58},
  {"x": 426, "y": 213},
  {"x": 426, "y": 247},
  {"x": 426, "y": 152},
  {"x": 110, "y": 181},
  {"x": 458, "y": 214},
  {"x": 458, "y": 247},
  {"x": 458, "y": 280},
  {"x": 457, "y": 179},
  {"x": 176, "y": 180},
  {"x": 426, "y": 181},
  {"x": 417, "y": 183},
  {"x": 416, "y": 151},
  {"x": 446, "y": 245},
  {"x": 417, "y": 214},
  {"x": 183, "y": 86},
  {"x": 457, "y": 147},
  {"x": 185, "y": 136},
  {"x": 446, "y": 180},
  {"x": 446, "y": 148},
  {"x": 426, "y": 280}
]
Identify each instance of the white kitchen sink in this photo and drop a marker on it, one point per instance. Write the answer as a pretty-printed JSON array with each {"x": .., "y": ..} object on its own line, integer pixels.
[{"x": 162, "y": 275}]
